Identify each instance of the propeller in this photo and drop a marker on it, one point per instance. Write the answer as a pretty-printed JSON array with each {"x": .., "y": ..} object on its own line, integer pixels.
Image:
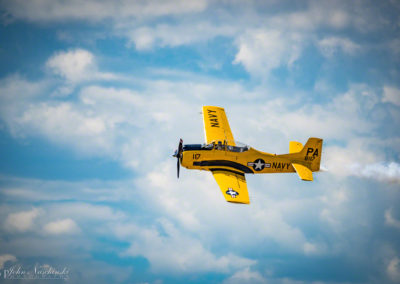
[{"x": 178, "y": 155}]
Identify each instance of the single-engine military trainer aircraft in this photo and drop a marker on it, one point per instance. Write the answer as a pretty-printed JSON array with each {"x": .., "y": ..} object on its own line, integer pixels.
[{"x": 229, "y": 161}]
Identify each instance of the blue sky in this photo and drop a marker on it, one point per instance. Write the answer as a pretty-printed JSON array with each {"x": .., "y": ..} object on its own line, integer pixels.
[{"x": 94, "y": 96}]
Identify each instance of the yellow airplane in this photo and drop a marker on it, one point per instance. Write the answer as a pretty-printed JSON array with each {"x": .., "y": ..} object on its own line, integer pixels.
[{"x": 229, "y": 161}]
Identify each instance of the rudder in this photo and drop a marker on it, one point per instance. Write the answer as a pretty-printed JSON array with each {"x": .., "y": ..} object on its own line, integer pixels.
[{"x": 311, "y": 152}]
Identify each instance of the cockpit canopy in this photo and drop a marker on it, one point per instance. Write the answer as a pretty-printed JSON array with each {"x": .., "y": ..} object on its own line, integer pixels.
[{"x": 232, "y": 146}]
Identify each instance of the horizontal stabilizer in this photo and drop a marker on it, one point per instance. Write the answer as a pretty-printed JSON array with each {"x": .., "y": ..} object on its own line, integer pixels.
[
  {"x": 303, "y": 172},
  {"x": 295, "y": 147}
]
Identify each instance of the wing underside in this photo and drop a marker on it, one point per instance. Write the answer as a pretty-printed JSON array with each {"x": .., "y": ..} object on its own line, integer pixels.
[
  {"x": 216, "y": 125},
  {"x": 233, "y": 185}
]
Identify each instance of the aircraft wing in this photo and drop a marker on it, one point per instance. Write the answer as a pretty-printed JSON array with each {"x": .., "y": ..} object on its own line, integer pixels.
[
  {"x": 233, "y": 185},
  {"x": 216, "y": 125}
]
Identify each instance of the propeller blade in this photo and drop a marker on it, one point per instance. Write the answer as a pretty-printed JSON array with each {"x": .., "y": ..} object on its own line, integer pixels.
[
  {"x": 180, "y": 148},
  {"x": 178, "y": 155},
  {"x": 178, "y": 167}
]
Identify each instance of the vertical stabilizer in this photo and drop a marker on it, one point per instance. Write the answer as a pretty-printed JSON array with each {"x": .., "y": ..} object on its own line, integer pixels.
[{"x": 311, "y": 153}]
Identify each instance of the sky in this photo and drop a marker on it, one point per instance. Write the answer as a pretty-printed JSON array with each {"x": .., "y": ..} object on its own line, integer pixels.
[{"x": 94, "y": 96}]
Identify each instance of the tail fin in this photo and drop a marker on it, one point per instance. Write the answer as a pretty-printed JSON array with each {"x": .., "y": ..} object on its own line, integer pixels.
[{"x": 311, "y": 152}]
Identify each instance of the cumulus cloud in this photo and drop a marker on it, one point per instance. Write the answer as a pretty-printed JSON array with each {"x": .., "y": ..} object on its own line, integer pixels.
[
  {"x": 174, "y": 251},
  {"x": 96, "y": 10},
  {"x": 60, "y": 227},
  {"x": 342, "y": 118},
  {"x": 155, "y": 23},
  {"x": 390, "y": 220},
  {"x": 245, "y": 276},
  {"x": 81, "y": 210},
  {"x": 22, "y": 221},
  {"x": 391, "y": 95},
  {"x": 148, "y": 37},
  {"x": 64, "y": 123},
  {"x": 6, "y": 257},
  {"x": 76, "y": 65},
  {"x": 138, "y": 126},
  {"x": 26, "y": 109},
  {"x": 102, "y": 119},
  {"x": 15, "y": 94},
  {"x": 179, "y": 201},
  {"x": 261, "y": 51},
  {"x": 73, "y": 65},
  {"x": 98, "y": 123},
  {"x": 331, "y": 45},
  {"x": 393, "y": 269}
]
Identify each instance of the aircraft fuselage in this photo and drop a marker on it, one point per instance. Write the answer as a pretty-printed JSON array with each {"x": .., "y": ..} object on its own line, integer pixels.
[{"x": 250, "y": 161}]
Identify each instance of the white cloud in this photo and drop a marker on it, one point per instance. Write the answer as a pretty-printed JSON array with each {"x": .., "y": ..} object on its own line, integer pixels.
[
  {"x": 112, "y": 121},
  {"x": 61, "y": 227},
  {"x": 15, "y": 87},
  {"x": 86, "y": 211},
  {"x": 394, "y": 47},
  {"x": 261, "y": 51},
  {"x": 138, "y": 124},
  {"x": 393, "y": 269},
  {"x": 390, "y": 220},
  {"x": 391, "y": 95},
  {"x": 342, "y": 118},
  {"x": 26, "y": 190},
  {"x": 179, "y": 200},
  {"x": 65, "y": 123},
  {"x": 156, "y": 23},
  {"x": 96, "y": 10},
  {"x": 174, "y": 251},
  {"x": 76, "y": 65},
  {"x": 320, "y": 14},
  {"x": 100, "y": 121},
  {"x": 245, "y": 276},
  {"x": 22, "y": 221},
  {"x": 6, "y": 257},
  {"x": 337, "y": 15},
  {"x": 16, "y": 94},
  {"x": 147, "y": 37},
  {"x": 120, "y": 110},
  {"x": 329, "y": 46},
  {"x": 335, "y": 209}
]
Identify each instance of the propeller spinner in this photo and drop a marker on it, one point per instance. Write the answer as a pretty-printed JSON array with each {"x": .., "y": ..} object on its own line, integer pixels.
[{"x": 178, "y": 155}]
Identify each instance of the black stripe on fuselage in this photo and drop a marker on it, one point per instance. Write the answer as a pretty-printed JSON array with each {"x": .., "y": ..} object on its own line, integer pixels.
[
  {"x": 224, "y": 163},
  {"x": 226, "y": 170}
]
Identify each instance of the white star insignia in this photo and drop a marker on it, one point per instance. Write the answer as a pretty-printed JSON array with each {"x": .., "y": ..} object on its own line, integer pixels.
[
  {"x": 232, "y": 193},
  {"x": 259, "y": 165}
]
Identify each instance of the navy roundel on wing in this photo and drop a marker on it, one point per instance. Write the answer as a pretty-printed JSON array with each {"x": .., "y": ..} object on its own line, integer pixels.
[{"x": 232, "y": 193}]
